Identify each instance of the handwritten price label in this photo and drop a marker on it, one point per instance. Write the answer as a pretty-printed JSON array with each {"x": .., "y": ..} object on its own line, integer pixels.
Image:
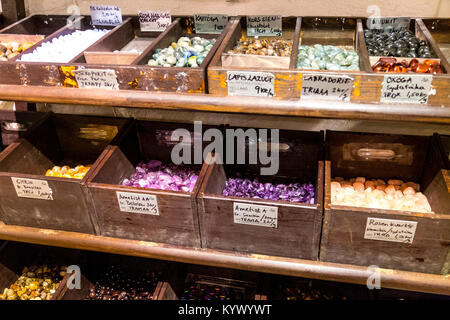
[
  {"x": 328, "y": 87},
  {"x": 255, "y": 215},
  {"x": 154, "y": 20},
  {"x": 102, "y": 15},
  {"x": 264, "y": 26},
  {"x": 388, "y": 24},
  {"x": 210, "y": 23},
  {"x": 390, "y": 230},
  {"x": 406, "y": 88},
  {"x": 96, "y": 79},
  {"x": 138, "y": 203},
  {"x": 32, "y": 188},
  {"x": 253, "y": 84}
]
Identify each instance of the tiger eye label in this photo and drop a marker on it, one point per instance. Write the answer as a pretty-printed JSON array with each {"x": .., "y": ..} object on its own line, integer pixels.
[
  {"x": 138, "y": 203},
  {"x": 255, "y": 215},
  {"x": 253, "y": 84},
  {"x": 264, "y": 26},
  {"x": 406, "y": 88},
  {"x": 32, "y": 188},
  {"x": 390, "y": 230},
  {"x": 329, "y": 87},
  {"x": 210, "y": 23},
  {"x": 96, "y": 79}
]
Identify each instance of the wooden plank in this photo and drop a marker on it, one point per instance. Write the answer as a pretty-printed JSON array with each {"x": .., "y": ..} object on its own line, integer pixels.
[
  {"x": 395, "y": 279},
  {"x": 242, "y": 105}
]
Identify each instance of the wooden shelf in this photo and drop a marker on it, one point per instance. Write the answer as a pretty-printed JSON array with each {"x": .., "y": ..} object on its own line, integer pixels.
[
  {"x": 395, "y": 279},
  {"x": 212, "y": 103}
]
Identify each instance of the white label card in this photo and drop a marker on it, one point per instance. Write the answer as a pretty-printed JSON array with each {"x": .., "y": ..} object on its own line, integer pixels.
[
  {"x": 388, "y": 24},
  {"x": 330, "y": 87},
  {"x": 103, "y": 15},
  {"x": 154, "y": 20},
  {"x": 390, "y": 230},
  {"x": 96, "y": 79},
  {"x": 406, "y": 88},
  {"x": 138, "y": 203},
  {"x": 253, "y": 84},
  {"x": 210, "y": 23},
  {"x": 264, "y": 26},
  {"x": 32, "y": 188},
  {"x": 255, "y": 215}
]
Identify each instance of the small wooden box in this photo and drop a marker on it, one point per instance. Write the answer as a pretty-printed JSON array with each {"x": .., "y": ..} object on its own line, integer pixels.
[
  {"x": 418, "y": 27},
  {"x": 15, "y": 256},
  {"x": 412, "y": 158},
  {"x": 56, "y": 203},
  {"x": 298, "y": 227},
  {"x": 115, "y": 49},
  {"x": 15, "y": 124},
  {"x": 175, "y": 79},
  {"x": 99, "y": 263},
  {"x": 176, "y": 221},
  {"x": 243, "y": 285},
  {"x": 281, "y": 67}
]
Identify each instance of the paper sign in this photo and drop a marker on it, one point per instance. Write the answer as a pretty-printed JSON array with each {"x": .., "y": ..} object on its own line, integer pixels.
[
  {"x": 138, "y": 203},
  {"x": 255, "y": 215},
  {"x": 154, "y": 20},
  {"x": 96, "y": 79},
  {"x": 406, "y": 88},
  {"x": 264, "y": 26},
  {"x": 253, "y": 84},
  {"x": 388, "y": 24},
  {"x": 32, "y": 188},
  {"x": 390, "y": 230},
  {"x": 210, "y": 23},
  {"x": 102, "y": 15},
  {"x": 328, "y": 87}
]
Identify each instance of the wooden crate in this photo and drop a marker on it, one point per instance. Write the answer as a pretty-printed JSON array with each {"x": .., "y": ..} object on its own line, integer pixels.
[
  {"x": 298, "y": 225},
  {"x": 416, "y": 159},
  {"x": 56, "y": 140},
  {"x": 131, "y": 74},
  {"x": 175, "y": 79},
  {"x": 15, "y": 256},
  {"x": 98, "y": 264},
  {"x": 14, "y": 124},
  {"x": 109, "y": 51},
  {"x": 246, "y": 285},
  {"x": 307, "y": 31},
  {"x": 284, "y": 287},
  {"x": 177, "y": 221},
  {"x": 441, "y": 82}
]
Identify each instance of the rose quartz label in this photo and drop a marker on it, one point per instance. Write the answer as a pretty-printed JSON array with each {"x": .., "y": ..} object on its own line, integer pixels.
[{"x": 390, "y": 230}]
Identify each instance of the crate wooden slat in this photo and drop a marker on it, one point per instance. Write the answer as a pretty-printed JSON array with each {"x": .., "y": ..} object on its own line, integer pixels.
[
  {"x": 56, "y": 140},
  {"x": 343, "y": 233},
  {"x": 298, "y": 224}
]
